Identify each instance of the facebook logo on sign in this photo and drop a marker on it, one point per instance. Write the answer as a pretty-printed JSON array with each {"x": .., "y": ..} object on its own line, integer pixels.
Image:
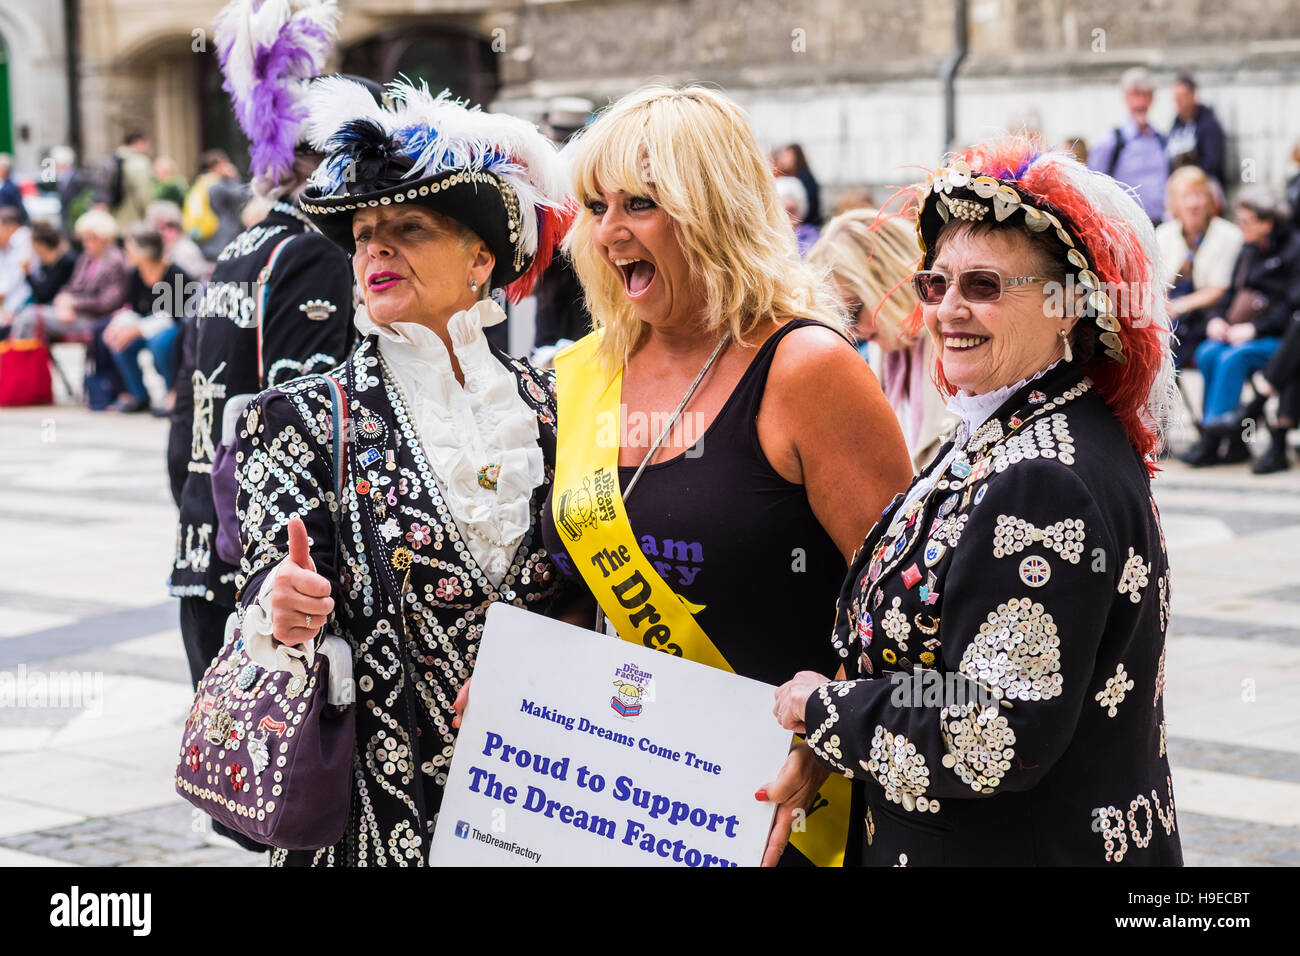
[{"x": 462, "y": 829}]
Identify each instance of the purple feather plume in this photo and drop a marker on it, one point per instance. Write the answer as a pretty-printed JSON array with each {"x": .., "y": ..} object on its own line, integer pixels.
[{"x": 265, "y": 59}]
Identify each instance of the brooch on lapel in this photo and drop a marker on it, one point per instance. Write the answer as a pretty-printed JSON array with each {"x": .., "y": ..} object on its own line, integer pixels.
[{"x": 318, "y": 310}]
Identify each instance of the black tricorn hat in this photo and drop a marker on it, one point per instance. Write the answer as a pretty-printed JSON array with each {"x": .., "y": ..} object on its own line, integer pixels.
[{"x": 493, "y": 173}]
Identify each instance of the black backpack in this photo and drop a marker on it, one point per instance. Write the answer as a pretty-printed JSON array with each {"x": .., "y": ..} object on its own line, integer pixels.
[{"x": 114, "y": 186}]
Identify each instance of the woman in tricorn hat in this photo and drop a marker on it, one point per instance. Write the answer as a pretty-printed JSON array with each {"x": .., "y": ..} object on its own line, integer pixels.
[
  {"x": 1003, "y": 625},
  {"x": 450, "y": 443}
]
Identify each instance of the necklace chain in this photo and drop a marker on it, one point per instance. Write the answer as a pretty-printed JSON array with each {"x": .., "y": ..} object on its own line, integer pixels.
[{"x": 681, "y": 407}]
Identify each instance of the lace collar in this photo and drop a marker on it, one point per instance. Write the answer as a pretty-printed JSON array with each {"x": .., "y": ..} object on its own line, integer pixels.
[
  {"x": 975, "y": 410},
  {"x": 476, "y": 436}
]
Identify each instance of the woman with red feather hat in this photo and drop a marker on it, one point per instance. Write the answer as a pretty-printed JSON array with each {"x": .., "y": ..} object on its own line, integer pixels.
[
  {"x": 450, "y": 443},
  {"x": 1004, "y": 624}
]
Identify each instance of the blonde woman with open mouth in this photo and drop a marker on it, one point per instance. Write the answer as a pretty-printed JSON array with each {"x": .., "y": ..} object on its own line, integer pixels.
[{"x": 755, "y": 447}]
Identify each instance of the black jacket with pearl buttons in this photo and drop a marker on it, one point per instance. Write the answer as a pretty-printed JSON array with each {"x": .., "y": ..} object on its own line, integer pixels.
[{"x": 1005, "y": 642}]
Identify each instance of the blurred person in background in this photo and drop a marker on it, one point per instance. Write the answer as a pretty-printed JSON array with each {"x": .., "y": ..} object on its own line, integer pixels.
[
  {"x": 52, "y": 264},
  {"x": 211, "y": 214},
  {"x": 76, "y": 190},
  {"x": 794, "y": 199},
  {"x": 10, "y": 194},
  {"x": 855, "y": 197},
  {"x": 1198, "y": 249},
  {"x": 227, "y": 196},
  {"x": 871, "y": 257},
  {"x": 791, "y": 161},
  {"x": 1281, "y": 377},
  {"x": 1197, "y": 137},
  {"x": 1077, "y": 147},
  {"x": 1246, "y": 324},
  {"x": 155, "y": 303},
  {"x": 84, "y": 306},
  {"x": 1293, "y": 186},
  {"x": 562, "y": 317},
  {"x": 15, "y": 259},
  {"x": 165, "y": 216},
  {"x": 169, "y": 183},
  {"x": 97, "y": 288},
  {"x": 129, "y": 185},
  {"x": 1134, "y": 152}
]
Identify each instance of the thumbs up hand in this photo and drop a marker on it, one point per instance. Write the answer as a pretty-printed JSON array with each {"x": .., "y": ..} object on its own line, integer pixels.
[{"x": 300, "y": 598}]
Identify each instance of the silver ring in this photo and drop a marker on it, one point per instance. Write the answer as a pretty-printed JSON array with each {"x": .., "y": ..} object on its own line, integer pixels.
[{"x": 309, "y": 620}]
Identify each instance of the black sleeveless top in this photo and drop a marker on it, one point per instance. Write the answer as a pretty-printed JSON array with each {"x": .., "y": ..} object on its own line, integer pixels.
[{"x": 725, "y": 530}]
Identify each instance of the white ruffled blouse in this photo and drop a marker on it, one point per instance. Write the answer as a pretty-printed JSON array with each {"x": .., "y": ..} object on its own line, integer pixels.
[
  {"x": 466, "y": 429},
  {"x": 974, "y": 411},
  {"x": 462, "y": 431}
]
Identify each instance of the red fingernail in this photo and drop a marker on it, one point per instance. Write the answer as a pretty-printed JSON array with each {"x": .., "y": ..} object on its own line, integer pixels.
[{"x": 761, "y": 795}]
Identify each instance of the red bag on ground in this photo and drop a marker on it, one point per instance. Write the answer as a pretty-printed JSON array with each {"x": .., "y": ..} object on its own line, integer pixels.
[{"x": 25, "y": 372}]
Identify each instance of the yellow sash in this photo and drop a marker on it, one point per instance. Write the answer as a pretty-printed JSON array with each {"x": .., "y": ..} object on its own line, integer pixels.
[{"x": 591, "y": 519}]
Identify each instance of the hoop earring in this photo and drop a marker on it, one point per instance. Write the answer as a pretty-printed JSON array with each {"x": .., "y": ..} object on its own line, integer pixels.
[{"x": 1065, "y": 340}]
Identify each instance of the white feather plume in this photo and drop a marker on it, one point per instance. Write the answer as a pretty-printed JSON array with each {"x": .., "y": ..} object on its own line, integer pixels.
[
  {"x": 471, "y": 134},
  {"x": 459, "y": 137},
  {"x": 334, "y": 100},
  {"x": 1113, "y": 202}
]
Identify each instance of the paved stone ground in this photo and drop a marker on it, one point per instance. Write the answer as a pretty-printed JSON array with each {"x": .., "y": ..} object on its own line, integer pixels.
[{"x": 86, "y": 780}]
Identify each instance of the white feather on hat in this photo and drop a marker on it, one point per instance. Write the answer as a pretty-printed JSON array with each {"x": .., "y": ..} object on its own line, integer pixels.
[{"x": 437, "y": 134}]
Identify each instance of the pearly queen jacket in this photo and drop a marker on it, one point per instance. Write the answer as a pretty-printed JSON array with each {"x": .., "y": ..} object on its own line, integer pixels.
[
  {"x": 306, "y": 317},
  {"x": 1007, "y": 639},
  {"x": 414, "y": 643}
]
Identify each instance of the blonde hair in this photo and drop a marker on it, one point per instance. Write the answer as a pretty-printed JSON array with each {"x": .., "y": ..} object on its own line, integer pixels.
[
  {"x": 873, "y": 256},
  {"x": 1190, "y": 177},
  {"x": 692, "y": 151},
  {"x": 97, "y": 222}
]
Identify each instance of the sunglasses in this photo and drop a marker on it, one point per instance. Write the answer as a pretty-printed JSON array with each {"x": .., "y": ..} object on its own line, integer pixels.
[{"x": 975, "y": 285}]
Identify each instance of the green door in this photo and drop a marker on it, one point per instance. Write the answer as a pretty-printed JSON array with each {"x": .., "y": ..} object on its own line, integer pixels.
[{"x": 6, "y": 119}]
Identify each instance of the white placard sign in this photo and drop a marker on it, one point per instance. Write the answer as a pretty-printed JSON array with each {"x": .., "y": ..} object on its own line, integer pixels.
[{"x": 584, "y": 750}]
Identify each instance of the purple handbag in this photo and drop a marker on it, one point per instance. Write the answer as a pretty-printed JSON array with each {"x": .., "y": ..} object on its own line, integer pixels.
[{"x": 263, "y": 751}]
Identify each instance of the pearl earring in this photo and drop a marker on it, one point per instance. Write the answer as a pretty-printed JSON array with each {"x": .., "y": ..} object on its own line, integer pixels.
[
  {"x": 473, "y": 285},
  {"x": 1065, "y": 340}
]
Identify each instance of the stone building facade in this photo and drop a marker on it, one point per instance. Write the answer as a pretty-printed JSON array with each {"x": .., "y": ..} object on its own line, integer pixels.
[{"x": 855, "y": 81}]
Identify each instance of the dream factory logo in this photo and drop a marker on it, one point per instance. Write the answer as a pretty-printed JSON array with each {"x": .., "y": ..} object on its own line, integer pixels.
[
  {"x": 575, "y": 510},
  {"x": 630, "y": 687},
  {"x": 580, "y": 508}
]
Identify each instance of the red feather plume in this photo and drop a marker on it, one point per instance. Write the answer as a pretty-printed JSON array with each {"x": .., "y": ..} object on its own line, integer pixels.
[{"x": 552, "y": 225}]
